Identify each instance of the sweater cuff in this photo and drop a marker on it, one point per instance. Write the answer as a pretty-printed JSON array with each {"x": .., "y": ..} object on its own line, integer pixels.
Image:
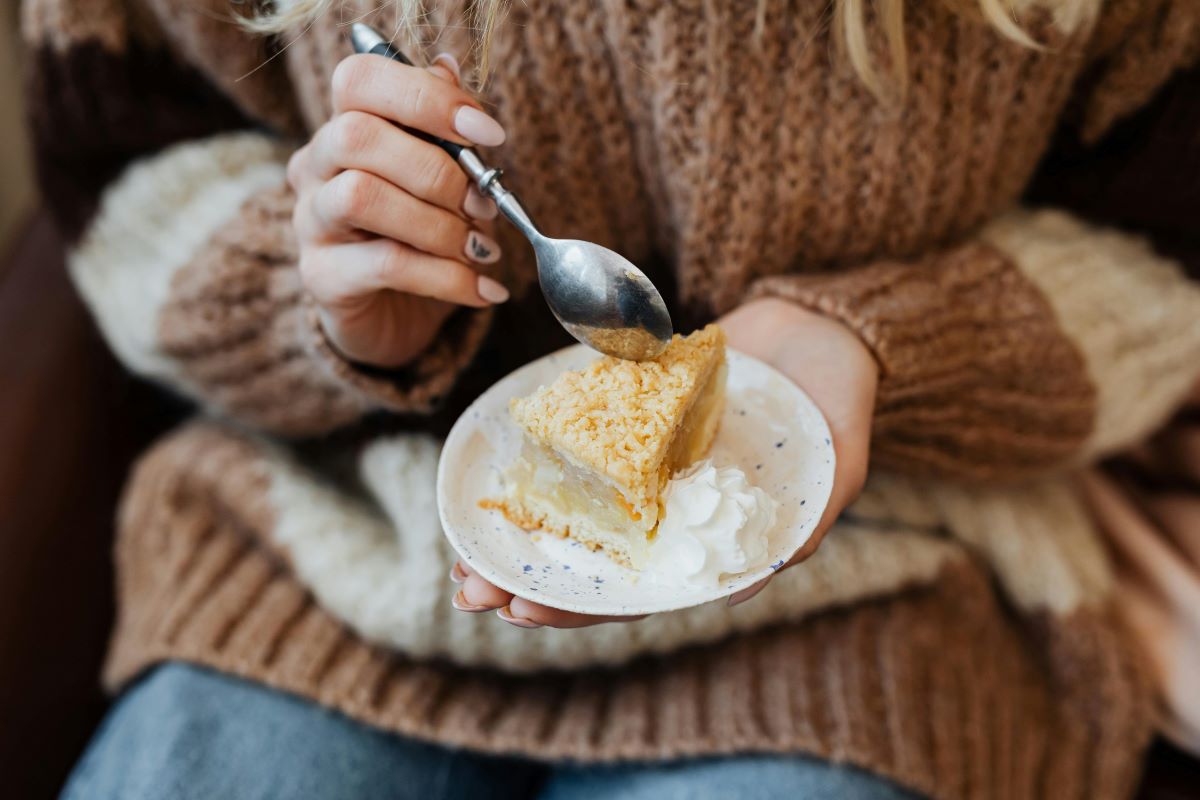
[
  {"x": 247, "y": 338},
  {"x": 190, "y": 268},
  {"x": 976, "y": 378},
  {"x": 420, "y": 385},
  {"x": 1132, "y": 314}
]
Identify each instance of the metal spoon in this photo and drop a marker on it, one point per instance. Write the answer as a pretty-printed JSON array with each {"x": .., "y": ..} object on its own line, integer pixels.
[{"x": 599, "y": 297}]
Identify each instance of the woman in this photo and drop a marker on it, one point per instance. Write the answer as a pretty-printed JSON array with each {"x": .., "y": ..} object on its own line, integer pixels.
[{"x": 837, "y": 187}]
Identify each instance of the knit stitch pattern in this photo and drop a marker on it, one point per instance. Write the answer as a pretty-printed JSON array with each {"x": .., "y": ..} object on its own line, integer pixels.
[{"x": 953, "y": 632}]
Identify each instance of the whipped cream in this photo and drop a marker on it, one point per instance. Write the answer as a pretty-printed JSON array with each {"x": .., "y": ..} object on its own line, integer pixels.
[{"x": 714, "y": 523}]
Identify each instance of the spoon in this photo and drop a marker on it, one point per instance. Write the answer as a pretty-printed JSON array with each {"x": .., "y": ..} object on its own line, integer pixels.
[{"x": 599, "y": 297}]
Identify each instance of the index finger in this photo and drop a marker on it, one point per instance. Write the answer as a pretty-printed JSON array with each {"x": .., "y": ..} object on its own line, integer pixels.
[{"x": 412, "y": 97}]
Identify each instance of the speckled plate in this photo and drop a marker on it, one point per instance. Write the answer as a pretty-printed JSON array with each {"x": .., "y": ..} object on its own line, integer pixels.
[{"x": 770, "y": 428}]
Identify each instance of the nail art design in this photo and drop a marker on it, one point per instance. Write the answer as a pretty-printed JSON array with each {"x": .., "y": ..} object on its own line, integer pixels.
[{"x": 481, "y": 249}]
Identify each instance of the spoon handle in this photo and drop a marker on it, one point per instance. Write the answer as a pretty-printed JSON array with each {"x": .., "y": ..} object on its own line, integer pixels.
[{"x": 367, "y": 40}]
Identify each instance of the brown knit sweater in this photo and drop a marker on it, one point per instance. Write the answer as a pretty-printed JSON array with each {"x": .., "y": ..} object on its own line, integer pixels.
[{"x": 952, "y": 633}]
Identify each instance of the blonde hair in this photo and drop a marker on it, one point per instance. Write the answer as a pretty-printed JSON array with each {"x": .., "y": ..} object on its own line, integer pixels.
[{"x": 850, "y": 32}]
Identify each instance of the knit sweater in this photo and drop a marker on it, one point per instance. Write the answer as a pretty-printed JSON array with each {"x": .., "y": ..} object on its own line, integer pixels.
[{"x": 953, "y": 631}]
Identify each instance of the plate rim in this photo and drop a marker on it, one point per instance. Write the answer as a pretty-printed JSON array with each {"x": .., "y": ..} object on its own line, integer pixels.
[{"x": 460, "y": 428}]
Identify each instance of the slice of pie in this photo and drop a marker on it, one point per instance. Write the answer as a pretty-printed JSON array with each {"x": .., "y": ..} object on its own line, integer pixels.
[{"x": 602, "y": 442}]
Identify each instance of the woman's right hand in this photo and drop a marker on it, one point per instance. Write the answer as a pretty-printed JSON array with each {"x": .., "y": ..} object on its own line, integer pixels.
[{"x": 386, "y": 223}]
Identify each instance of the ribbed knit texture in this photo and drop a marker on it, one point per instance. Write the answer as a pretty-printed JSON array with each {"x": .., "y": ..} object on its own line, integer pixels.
[
  {"x": 244, "y": 336},
  {"x": 1091, "y": 277},
  {"x": 736, "y": 193},
  {"x": 380, "y": 565},
  {"x": 731, "y": 164},
  {"x": 974, "y": 376},
  {"x": 936, "y": 688}
]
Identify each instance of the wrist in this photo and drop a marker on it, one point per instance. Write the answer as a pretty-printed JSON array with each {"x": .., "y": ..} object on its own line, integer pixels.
[
  {"x": 784, "y": 323},
  {"x": 364, "y": 350}
]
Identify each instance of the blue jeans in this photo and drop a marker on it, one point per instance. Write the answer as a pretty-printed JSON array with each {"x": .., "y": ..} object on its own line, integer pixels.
[{"x": 186, "y": 732}]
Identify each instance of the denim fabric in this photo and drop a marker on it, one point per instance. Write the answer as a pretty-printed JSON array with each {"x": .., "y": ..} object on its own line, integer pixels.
[{"x": 184, "y": 732}]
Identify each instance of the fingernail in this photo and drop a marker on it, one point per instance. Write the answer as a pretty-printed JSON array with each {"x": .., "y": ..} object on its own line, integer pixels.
[
  {"x": 481, "y": 248},
  {"x": 520, "y": 622},
  {"x": 456, "y": 573},
  {"x": 473, "y": 124},
  {"x": 491, "y": 290},
  {"x": 749, "y": 591},
  {"x": 451, "y": 63},
  {"x": 459, "y": 601},
  {"x": 478, "y": 206}
]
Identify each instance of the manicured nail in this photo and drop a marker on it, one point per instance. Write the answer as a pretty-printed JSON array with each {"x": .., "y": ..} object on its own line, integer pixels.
[
  {"x": 520, "y": 622},
  {"x": 451, "y": 63},
  {"x": 749, "y": 591},
  {"x": 459, "y": 601},
  {"x": 478, "y": 206},
  {"x": 473, "y": 124},
  {"x": 456, "y": 573},
  {"x": 491, "y": 290},
  {"x": 481, "y": 248}
]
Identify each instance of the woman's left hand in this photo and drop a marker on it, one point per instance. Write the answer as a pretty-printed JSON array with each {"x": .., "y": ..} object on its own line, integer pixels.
[
  {"x": 832, "y": 365},
  {"x": 823, "y": 357}
]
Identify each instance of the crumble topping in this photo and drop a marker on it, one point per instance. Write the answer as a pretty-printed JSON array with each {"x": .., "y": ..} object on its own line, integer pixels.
[{"x": 617, "y": 417}]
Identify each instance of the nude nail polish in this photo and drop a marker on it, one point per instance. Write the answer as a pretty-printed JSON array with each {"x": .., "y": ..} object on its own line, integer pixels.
[
  {"x": 451, "y": 63},
  {"x": 459, "y": 601},
  {"x": 491, "y": 290},
  {"x": 479, "y": 207},
  {"x": 473, "y": 124},
  {"x": 507, "y": 615},
  {"x": 456, "y": 573}
]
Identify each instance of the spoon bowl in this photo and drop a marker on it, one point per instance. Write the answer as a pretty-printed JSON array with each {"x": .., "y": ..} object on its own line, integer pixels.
[{"x": 601, "y": 299}]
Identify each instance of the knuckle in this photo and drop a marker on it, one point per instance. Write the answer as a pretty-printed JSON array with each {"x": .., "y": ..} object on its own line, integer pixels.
[
  {"x": 349, "y": 195},
  {"x": 295, "y": 167},
  {"x": 353, "y": 132},
  {"x": 416, "y": 97},
  {"x": 437, "y": 174},
  {"x": 423, "y": 97},
  {"x": 310, "y": 272},
  {"x": 351, "y": 78},
  {"x": 304, "y": 222},
  {"x": 391, "y": 265}
]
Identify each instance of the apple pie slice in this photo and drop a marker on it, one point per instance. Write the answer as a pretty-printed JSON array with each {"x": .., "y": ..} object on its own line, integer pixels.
[{"x": 602, "y": 442}]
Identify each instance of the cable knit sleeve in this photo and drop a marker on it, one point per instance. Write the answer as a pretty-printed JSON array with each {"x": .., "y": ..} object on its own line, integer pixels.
[
  {"x": 167, "y": 176},
  {"x": 190, "y": 269},
  {"x": 1043, "y": 342}
]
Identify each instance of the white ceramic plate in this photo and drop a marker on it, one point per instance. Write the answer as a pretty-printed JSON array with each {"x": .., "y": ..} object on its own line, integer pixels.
[{"x": 770, "y": 428}]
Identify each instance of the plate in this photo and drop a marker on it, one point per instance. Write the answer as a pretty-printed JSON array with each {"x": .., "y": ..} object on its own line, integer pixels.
[{"x": 771, "y": 429}]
